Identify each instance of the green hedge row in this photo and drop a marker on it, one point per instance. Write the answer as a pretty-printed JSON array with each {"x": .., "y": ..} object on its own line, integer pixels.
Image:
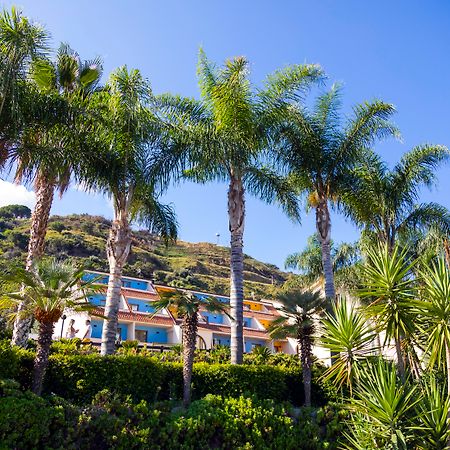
[
  {"x": 79, "y": 377},
  {"x": 31, "y": 422}
]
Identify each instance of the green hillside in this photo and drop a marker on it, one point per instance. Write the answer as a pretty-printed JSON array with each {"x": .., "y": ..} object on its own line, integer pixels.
[{"x": 201, "y": 266}]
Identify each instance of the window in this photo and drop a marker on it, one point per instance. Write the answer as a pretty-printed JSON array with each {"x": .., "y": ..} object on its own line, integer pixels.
[
  {"x": 141, "y": 335},
  {"x": 134, "y": 307}
]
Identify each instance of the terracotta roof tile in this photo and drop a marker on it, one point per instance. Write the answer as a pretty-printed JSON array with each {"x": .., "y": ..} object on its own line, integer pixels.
[
  {"x": 248, "y": 332},
  {"x": 144, "y": 295},
  {"x": 140, "y": 317}
]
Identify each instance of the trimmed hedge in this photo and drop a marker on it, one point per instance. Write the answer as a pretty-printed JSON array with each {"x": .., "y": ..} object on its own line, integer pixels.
[
  {"x": 110, "y": 421},
  {"x": 79, "y": 377}
]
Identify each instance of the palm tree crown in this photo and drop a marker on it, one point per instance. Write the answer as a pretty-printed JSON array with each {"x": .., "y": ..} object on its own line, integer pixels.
[
  {"x": 319, "y": 153},
  {"x": 385, "y": 202}
]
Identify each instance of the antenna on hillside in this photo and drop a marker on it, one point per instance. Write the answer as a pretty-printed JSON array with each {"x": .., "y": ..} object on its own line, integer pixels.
[{"x": 217, "y": 238}]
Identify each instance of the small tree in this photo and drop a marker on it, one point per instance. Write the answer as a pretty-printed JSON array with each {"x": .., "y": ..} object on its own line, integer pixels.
[
  {"x": 187, "y": 307},
  {"x": 347, "y": 335},
  {"x": 299, "y": 309},
  {"x": 390, "y": 288},
  {"x": 48, "y": 289}
]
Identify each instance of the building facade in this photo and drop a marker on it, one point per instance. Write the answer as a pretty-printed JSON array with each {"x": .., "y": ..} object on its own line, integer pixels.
[{"x": 137, "y": 319}]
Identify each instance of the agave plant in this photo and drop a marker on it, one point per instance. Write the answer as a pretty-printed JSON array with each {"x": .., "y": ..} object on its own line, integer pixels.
[
  {"x": 48, "y": 289},
  {"x": 347, "y": 334}
]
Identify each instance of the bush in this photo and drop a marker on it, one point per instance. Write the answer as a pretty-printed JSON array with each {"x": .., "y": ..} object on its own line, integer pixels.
[
  {"x": 78, "y": 377},
  {"x": 111, "y": 421}
]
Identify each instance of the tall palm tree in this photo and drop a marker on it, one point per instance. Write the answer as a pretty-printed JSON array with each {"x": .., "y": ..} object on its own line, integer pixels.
[
  {"x": 391, "y": 291},
  {"x": 320, "y": 153},
  {"x": 299, "y": 311},
  {"x": 187, "y": 307},
  {"x": 309, "y": 261},
  {"x": 124, "y": 172},
  {"x": 225, "y": 135},
  {"x": 49, "y": 287},
  {"x": 51, "y": 155},
  {"x": 385, "y": 202}
]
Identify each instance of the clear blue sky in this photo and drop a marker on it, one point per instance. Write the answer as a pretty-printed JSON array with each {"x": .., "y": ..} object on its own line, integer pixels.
[{"x": 394, "y": 50}]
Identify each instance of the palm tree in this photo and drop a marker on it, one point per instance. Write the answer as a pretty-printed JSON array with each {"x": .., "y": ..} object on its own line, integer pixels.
[
  {"x": 384, "y": 202},
  {"x": 348, "y": 336},
  {"x": 391, "y": 290},
  {"x": 224, "y": 137},
  {"x": 187, "y": 307},
  {"x": 345, "y": 257},
  {"x": 124, "y": 172},
  {"x": 299, "y": 311},
  {"x": 20, "y": 42},
  {"x": 49, "y": 154},
  {"x": 49, "y": 287},
  {"x": 320, "y": 154}
]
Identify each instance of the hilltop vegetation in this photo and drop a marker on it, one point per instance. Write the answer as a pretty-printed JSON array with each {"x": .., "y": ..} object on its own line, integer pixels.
[{"x": 201, "y": 266}]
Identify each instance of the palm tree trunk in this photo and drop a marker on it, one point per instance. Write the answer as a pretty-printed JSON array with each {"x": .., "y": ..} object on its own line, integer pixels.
[
  {"x": 400, "y": 361},
  {"x": 38, "y": 229},
  {"x": 447, "y": 252},
  {"x": 42, "y": 353},
  {"x": 189, "y": 341},
  {"x": 323, "y": 225},
  {"x": 305, "y": 344},
  {"x": 236, "y": 215},
  {"x": 117, "y": 249}
]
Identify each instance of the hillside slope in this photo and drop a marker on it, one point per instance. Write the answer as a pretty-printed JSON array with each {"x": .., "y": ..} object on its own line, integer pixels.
[{"x": 201, "y": 266}]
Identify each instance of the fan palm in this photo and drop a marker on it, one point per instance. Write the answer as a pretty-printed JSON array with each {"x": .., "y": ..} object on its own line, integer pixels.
[
  {"x": 320, "y": 155},
  {"x": 384, "y": 202},
  {"x": 224, "y": 136},
  {"x": 187, "y": 307},
  {"x": 49, "y": 287},
  {"x": 47, "y": 154},
  {"x": 124, "y": 172},
  {"x": 299, "y": 312},
  {"x": 348, "y": 336},
  {"x": 391, "y": 290}
]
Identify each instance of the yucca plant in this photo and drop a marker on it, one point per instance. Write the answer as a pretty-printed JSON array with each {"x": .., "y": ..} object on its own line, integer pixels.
[
  {"x": 382, "y": 410},
  {"x": 187, "y": 307},
  {"x": 299, "y": 313},
  {"x": 347, "y": 334},
  {"x": 432, "y": 416},
  {"x": 48, "y": 289},
  {"x": 390, "y": 290}
]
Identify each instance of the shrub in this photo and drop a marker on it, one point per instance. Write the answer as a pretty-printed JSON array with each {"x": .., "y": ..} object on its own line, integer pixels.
[
  {"x": 111, "y": 421},
  {"x": 78, "y": 377}
]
